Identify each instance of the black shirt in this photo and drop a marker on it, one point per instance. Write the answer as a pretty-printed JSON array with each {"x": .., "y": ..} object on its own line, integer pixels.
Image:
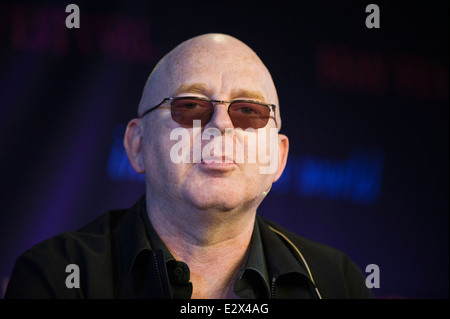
[{"x": 119, "y": 255}]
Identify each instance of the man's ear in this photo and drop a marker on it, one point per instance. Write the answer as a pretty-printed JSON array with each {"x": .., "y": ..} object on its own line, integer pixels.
[
  {"x": 283, "y": 150},
  {"x": 133, "y": 145}
]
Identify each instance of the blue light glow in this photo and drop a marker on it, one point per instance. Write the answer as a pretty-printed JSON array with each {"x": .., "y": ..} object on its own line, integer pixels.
[
  {"x": 119, "y": 167},
  {"x": 356, "y": 179}
]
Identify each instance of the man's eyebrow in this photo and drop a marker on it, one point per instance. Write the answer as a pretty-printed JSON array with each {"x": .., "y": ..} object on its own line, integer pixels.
[
  {"x": 248, "y": 94},
  {"x": 202, "y": 88},
  {"x": 199, "y": 88}
]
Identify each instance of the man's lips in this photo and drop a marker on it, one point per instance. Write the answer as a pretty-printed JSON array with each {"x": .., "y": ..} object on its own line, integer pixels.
[
  {"x": 218, "y": 160},
  {"x": 218, "y": 163}
]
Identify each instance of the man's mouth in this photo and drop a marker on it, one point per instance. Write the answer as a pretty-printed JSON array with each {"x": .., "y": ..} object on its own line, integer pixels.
[{"x": 222, "y": 163}]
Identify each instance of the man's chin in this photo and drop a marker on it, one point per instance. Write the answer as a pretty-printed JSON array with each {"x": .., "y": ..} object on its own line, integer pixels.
[
  {"x": 215, "y": 203},
  {"x": 215, "y": 207}
]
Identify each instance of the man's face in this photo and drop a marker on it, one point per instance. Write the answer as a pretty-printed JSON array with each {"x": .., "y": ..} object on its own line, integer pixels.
[{"x": 215, "y": 69}]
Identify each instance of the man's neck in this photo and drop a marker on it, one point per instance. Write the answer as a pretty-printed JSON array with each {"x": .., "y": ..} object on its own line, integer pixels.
[{"x": 213, "y": 244}]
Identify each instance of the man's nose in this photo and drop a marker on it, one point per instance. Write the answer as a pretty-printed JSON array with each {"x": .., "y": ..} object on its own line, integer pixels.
[{"x": 220, "y": 118}]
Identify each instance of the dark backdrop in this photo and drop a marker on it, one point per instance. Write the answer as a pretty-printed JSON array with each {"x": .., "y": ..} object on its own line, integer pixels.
[{"x": 366, "y": 111}]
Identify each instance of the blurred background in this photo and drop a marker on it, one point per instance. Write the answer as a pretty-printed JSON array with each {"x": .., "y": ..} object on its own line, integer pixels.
[{"x": 366, "y": 111}]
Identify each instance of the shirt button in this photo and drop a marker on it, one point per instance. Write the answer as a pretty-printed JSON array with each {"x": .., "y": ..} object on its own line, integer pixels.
[{"x": 178, "y": 272}]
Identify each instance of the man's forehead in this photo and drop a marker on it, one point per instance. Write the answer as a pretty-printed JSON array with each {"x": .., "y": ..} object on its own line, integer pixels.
[{"x": 203, "y": 72}]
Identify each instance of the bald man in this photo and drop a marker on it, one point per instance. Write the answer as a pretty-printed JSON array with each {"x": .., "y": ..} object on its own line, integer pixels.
[{"x": 206, "y": 138}]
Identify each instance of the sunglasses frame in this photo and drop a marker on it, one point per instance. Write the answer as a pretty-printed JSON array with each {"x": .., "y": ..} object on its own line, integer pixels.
[{"x": 272, "y": 107}]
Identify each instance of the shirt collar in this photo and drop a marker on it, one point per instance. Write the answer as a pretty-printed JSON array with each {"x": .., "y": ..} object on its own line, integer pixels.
[
  {"x": 132, "y": 238},
  {"x": 280, "y": 258},
  {"x": 268, "y": 256},
  {"x": 269, "y": 259},
  {"x": 253, "y": 274},
  {"x": 156, "y": 242}
]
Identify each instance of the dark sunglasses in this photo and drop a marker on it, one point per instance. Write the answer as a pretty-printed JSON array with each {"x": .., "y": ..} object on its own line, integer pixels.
[{"x": 243, "y": 113}]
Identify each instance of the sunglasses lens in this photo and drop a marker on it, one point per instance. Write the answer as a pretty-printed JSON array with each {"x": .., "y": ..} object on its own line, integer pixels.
[
  {"x": 243, "y": 114},
  {"x": 186, "y": 110},
  {"x": 247, "y": 114}
]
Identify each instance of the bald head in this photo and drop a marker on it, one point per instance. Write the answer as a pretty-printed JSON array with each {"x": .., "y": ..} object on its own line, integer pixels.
[{"x": 216, "y": 66}]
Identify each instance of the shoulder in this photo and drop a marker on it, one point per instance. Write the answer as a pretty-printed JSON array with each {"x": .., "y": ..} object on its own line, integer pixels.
[
  {"x": 92, "y": 238},
  {"x": 41, "y": 271},
  {"x": 307, "y": 246},
  {"x": 334, "y": 273}
]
